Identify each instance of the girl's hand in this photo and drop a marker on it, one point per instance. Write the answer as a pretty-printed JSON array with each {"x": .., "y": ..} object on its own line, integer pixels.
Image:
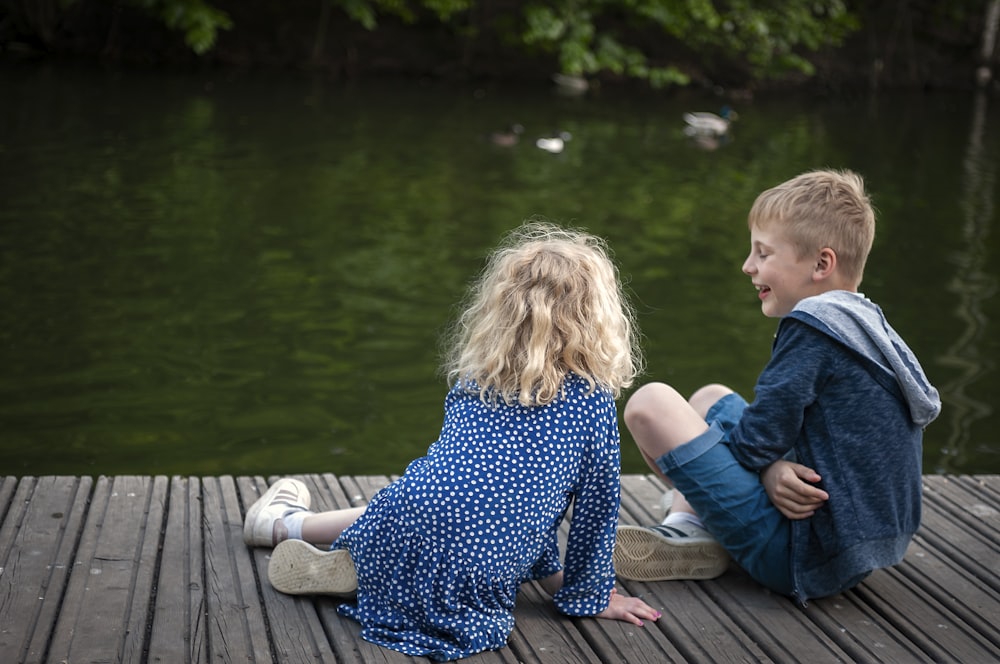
[
  {"x": 628, "y": 609},
  {"x": 789, "y": 486}
]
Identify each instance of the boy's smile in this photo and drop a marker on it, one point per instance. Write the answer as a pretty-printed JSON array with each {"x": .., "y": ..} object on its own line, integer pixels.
[{"x": 781, "y": 277}]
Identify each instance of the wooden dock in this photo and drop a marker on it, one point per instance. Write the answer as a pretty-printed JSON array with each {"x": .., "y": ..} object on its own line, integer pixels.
[{"x": 153, "y": 569}]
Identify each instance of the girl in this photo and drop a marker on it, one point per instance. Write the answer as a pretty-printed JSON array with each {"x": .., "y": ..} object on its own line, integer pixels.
[{"x": 546, "y": 343}]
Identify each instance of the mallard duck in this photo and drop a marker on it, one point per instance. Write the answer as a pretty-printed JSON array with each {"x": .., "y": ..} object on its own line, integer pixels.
[
  {"x": 554, "y": 144},
  {"x": 702, "y": 123}
]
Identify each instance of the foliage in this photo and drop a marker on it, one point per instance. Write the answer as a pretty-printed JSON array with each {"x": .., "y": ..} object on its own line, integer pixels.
[
  {"x": 591, "y": 36},
  {"x": 664, "y": 42},
  {"x": 366, "y": 12},
  {"x": 622, "y": 37},
  {"x": 199, "y": 21}
]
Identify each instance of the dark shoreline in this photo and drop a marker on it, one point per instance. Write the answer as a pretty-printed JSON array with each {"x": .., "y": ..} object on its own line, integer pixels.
[{"x": 871, "y": 59}]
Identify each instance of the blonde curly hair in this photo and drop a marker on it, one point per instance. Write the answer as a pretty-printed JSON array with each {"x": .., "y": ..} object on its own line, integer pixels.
[{"x": 548, "y": 302}]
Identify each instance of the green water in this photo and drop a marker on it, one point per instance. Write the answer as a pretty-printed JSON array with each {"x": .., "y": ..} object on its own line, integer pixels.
[{"x": 210, "y": 273}]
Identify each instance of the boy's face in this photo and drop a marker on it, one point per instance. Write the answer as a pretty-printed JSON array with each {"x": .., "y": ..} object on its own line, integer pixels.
[{"x": 781, "y": 277}]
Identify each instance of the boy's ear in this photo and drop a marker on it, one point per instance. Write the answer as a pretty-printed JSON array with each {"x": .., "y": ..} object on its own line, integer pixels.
[{"x": 826, "y": 263}]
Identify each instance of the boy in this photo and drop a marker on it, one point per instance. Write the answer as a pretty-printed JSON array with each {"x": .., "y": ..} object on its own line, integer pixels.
[{"x": 816, "y": 483}]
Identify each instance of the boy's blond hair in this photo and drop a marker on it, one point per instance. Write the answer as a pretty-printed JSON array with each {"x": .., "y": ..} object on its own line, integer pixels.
[
  {"x": 822, "y": 208},
  {"x": 548, "y": 302}
]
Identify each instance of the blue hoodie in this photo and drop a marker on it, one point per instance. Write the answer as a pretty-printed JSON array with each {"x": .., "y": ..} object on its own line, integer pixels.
[{"x": 845, "y": 396}]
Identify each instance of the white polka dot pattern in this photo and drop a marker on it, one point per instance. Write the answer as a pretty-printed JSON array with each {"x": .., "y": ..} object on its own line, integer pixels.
[{"x": 441, "y": 552}]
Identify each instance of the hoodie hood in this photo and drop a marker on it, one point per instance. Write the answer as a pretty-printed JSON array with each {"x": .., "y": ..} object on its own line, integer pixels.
[{"x": 859, "y": 324}]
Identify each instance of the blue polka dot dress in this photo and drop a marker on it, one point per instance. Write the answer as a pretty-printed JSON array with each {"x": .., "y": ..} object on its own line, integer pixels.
[{"x": 440, "y": 553}]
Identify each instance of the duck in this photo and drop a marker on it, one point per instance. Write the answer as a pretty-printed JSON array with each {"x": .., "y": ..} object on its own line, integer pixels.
[
  {"x": 571, "y": 85},
  {"x": 509, "y": 137},
  {"x": 709, "y": 142},
  {"x": 554, "y": 144},
  {"x": 703, "y": 123}
]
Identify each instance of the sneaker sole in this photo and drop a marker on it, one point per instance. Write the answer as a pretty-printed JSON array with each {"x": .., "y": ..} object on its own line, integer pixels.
[
  {"x": 643, "y": 555},
  {"x": 299, "y": 568},
  {"x": 251, "y": 518}
]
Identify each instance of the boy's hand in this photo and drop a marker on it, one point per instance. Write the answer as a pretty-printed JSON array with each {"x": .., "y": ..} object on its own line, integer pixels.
[
  {"x": 628, "y": 609},
  {"x": 788, "y": 486}
]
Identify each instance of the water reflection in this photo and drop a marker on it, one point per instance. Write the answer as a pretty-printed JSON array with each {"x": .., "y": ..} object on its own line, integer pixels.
[
  {"x": 208, "y": 275},
  {"x": 972, "y": 286}
]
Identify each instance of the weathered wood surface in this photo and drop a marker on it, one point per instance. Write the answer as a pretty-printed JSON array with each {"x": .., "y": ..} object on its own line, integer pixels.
[{"x": 153, "y": 569}]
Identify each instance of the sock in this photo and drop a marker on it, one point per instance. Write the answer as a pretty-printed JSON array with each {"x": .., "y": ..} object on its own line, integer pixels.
[
  {"x": 683, "y": 517},
  {"x": 293, "y": 522}
]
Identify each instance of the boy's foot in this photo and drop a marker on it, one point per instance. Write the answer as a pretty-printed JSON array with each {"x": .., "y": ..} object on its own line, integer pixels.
[
  {"x": 665, "y": 553},
  {"x": 299, "y": 568},
  {"x": 264, "y": 516}
]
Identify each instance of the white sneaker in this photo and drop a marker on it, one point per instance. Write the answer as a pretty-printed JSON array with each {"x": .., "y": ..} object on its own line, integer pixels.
[
  {"x": 299, "y": 568},
  {"x": 285, "y": 496},
  {"x": 664, "y": 553}
]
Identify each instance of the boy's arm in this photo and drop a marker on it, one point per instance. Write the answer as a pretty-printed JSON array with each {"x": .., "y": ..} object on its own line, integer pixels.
[
  {"x": 789, "y": 486},
  {"x": 801, "y": 363}
]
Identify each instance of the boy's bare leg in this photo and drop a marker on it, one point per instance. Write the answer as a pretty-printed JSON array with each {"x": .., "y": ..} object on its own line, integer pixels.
[
  {"x": 660, "y": 420},
  {"x": 705, "y": 397}
]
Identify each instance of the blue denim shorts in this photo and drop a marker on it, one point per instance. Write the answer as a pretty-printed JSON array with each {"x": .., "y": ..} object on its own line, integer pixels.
[{"x": 731, "y": 500}]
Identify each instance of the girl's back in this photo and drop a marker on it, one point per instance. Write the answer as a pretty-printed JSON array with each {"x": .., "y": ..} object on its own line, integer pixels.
[
  {"x": 479, "y": 515},
  {"x": 501, "y": 475}
]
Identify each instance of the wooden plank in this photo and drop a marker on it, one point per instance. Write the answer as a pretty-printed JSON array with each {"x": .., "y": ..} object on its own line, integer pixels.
[
  {"x": 642, "y": 499},
  {"x": 151, "y": 569},
  {"x": 968, "y": 501},
  {"x": 542, "y": 635},
  {"x": 334, "y": 495},
  {"x": 952, "y": 610},
  {"x": 178, "y": 631},
  {"x": 860, "y": 628},
  {"x": 927, "y": 625},
  {"x": 38, "y": 537},
  {"x": 366, "y": 486},
  {"x": 145, "y": 565},
  {"x": 694, "y": 623},
  {"x": 345, "y": 633},
  {"x": 616, "y": 640},
  {"x": 296, "y": 632},
  {"x": 955, "y": 562},
  {"x": 8, "y": 485},
  {"x": 989, "y": 484},
  {"x": 236, "y": 628},
  {"x": 103, "y": 614},
  {"x": 775, "y": 625},
  {"x": 973, "y": 561}
]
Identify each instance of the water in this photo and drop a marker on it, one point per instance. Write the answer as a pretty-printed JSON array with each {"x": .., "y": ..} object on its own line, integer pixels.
[{"x": 211, "y": 273}]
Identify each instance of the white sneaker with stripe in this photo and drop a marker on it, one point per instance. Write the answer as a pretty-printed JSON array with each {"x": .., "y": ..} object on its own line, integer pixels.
[{"x": 665, "y": 553}]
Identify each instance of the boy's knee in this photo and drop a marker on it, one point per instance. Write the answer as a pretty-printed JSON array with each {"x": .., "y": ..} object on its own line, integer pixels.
[
  {"x": 705, "y": 397},
  {"x": 648, "y": 403}
]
